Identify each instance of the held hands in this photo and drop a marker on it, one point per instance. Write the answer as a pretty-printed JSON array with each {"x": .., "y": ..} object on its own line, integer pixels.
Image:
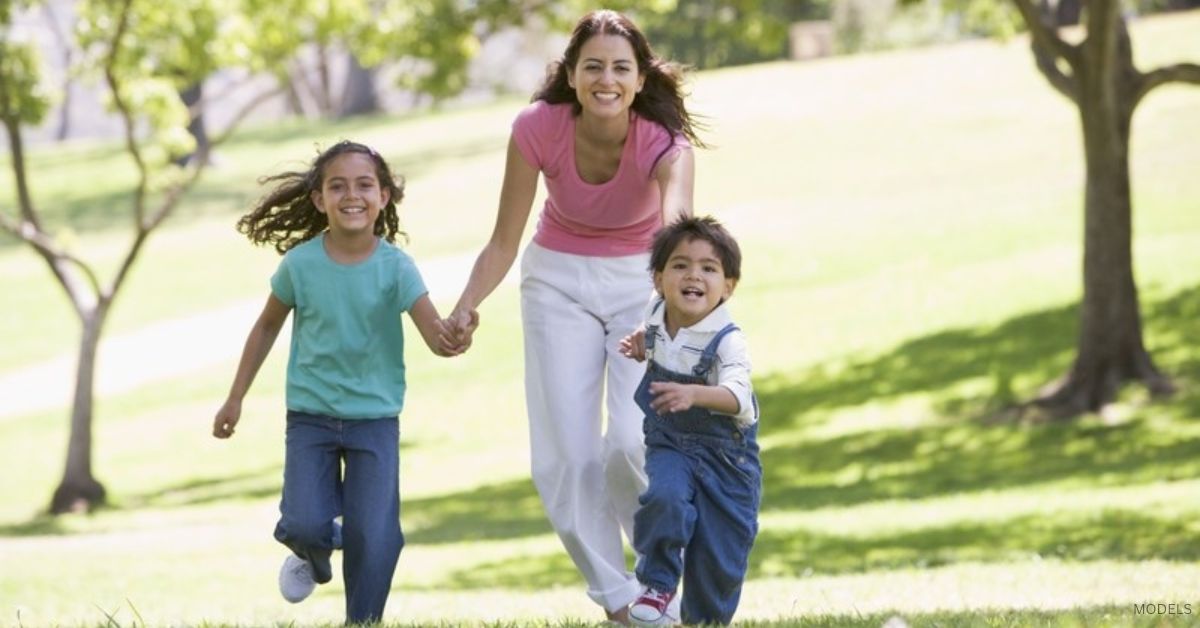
[
  {"x": 633, "y": 346},
  {"x": 671, "y": 397},
  {"x": 456, "y": 330},
  {"x": 227, "y": 418}
]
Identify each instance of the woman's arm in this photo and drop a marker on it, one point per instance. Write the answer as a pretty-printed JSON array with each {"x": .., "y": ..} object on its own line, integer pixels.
[
  {"x": 676, "y": 181},
  {"x": 516, "y": 200},
  {"x": 258, "y": 346}
]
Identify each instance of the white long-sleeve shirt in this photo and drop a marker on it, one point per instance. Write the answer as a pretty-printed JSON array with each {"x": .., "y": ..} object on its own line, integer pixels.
[{"x": 731, "y": 367}]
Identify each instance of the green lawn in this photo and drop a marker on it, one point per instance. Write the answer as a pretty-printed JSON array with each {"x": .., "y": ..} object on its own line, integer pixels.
[{"x": 911, "y": 223}]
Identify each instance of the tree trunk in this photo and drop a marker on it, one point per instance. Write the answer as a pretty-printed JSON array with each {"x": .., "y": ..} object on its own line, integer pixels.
[
  {"x": 1110, "y": 347},
  {"x": 79, "y": 491},
  {"x": 191, "y": 96},
  {"x": 359, "y": 97}
]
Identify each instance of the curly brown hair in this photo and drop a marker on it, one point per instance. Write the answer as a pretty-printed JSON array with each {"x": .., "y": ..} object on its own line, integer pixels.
[
  {"x": 661, "y": 98},
  {"x": 286, "y": 216}
]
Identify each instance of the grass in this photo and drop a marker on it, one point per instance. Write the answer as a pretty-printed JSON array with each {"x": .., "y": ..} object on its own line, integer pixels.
[{"x": 912, "y": 230}]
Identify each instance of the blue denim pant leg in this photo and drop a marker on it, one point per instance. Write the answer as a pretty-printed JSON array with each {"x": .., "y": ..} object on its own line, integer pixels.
[
  {"x": 315, "y": 490},
  {"x": 312, "y": 490},
  {"x": 664, "y": 524},
  {"x": 728, "y": 488},
  {"x": 371, "y": 534}
]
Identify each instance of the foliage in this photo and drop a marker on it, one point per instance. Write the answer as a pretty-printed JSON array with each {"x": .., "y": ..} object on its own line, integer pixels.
[
  {"x": 23, "y": 98},
  {"x": 711, "y": 33}
]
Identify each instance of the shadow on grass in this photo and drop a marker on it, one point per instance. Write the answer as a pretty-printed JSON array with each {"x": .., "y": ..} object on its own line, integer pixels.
[
  {"x": 1108, "y": 534},
  {"x": 958, "y": 452},
  {"x": 496, "y": 511}
]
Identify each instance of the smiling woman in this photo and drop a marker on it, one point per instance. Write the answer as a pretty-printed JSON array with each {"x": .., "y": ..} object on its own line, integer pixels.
[{"x": 609, "y": 132}]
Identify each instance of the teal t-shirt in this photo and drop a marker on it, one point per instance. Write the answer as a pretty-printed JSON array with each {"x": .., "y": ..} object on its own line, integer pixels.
[{"x": 347, "y": 354}]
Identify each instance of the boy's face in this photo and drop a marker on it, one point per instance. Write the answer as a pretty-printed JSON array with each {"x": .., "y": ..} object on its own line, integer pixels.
[{"x": 693, "y": 283}]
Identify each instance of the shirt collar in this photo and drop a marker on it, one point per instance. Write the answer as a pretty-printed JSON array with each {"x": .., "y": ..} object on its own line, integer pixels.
[{"x": 715, "y": 321}]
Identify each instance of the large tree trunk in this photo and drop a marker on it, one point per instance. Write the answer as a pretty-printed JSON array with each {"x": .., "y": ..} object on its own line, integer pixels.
[
  {"x": 1110, "y": 350},
  {"x": 79, "y": 491}
]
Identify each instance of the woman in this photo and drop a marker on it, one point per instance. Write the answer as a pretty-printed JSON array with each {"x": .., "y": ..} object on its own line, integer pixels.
[{"x": 609, "y": 132}]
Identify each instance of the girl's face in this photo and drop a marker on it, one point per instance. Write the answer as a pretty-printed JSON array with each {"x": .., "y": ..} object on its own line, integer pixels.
[
  {"x": 607, "y": 77},
  {"x": 350, "y": 195},
  {"x": 693, "y": 283}
]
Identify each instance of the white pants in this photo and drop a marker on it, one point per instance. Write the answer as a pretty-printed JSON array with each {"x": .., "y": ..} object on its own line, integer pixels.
[{"x": 575, "y": 311}]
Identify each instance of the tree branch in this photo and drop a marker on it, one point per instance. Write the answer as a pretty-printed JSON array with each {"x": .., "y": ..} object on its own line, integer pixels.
[
  {"x": 131, "y": 145},
  {"x": 241, "y": 114},
  {"x": 1049, "y": 47},
  {"x": 1178, "y": 73},
  {"x": 45, "y": 247},
  {"x": 1045, "y": 34}
]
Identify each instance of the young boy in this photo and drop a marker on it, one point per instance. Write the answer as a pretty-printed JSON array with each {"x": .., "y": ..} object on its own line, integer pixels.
[{"x": 701, "y": 425}]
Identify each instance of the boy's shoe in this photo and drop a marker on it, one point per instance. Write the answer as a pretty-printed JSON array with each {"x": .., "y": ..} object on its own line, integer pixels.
[
  {"x": 651, "y": 609},
  {"x": 296, "y": 579}
]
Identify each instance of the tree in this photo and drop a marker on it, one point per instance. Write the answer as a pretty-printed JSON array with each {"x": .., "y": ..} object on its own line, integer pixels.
[
  {"x": 1098, "y": 75},
  {"x": 141, "y": 63},
  {"x": 149, "y": 57}
]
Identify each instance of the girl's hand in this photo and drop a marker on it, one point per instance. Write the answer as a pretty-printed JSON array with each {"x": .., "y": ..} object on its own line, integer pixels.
[
  {"x": 671, "y": 397},
  {"x": 448, "y": 342},
  {"x": 633, "y": 346},
  {"x": 227, "y": 418}
]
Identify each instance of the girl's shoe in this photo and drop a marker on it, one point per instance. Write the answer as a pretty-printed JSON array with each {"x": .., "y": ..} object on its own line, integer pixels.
[{"x": 296, "y": 579}]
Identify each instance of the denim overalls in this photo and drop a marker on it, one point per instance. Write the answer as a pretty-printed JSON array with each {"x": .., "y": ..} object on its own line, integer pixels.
[{"x": 702, "y": 500}]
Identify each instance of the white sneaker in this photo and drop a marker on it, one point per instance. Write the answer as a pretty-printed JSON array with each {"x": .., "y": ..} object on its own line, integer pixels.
[
  {"x": 652, "y": 609},
  {"x": 296, "y": 579}
]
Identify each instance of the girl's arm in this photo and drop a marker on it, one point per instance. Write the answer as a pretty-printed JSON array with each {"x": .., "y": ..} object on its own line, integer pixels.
[
  {"x": 433, "y": 332},
  {"x": 258, "y": 345},
  {"x": 676, "y": 181},
  {"x": 516, "y": 199}
]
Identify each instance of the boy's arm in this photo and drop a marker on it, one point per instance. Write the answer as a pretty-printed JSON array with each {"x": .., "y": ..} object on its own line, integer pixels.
[
  {"x": 733, "y": 374},
  {"x": 673, "y": 397},
  {"x": 732, "y": 394},
  {"x": 258, "y": 346}
]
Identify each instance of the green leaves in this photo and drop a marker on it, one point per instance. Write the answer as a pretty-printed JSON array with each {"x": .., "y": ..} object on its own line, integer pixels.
[{"x": 23, "y": 98}]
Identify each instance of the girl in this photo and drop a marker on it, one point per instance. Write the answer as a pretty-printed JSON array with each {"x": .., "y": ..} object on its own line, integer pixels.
[
  {"x": 609, "y": 132},
  {"x": 348, "y": 284}
]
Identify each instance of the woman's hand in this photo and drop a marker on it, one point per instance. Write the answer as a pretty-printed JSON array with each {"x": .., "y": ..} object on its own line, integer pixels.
[{"x": 460, "y": 326}]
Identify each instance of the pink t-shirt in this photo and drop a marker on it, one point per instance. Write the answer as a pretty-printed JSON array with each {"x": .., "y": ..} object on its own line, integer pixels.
[{"x": 610, "y": 219}]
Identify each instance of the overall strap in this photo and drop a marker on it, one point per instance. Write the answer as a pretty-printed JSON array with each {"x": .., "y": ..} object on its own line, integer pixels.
[
  {"x": 710, "y": 351},
  {"x": 651, "y": 332}
]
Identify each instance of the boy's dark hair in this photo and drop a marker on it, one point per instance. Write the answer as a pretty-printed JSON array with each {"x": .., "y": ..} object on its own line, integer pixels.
[
  {"x": 697, "y": 228},
  {"x": 286, "y": 216}
]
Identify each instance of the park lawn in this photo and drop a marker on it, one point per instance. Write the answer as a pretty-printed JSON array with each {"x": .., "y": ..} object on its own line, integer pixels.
[{"x": 911, "y": 223}]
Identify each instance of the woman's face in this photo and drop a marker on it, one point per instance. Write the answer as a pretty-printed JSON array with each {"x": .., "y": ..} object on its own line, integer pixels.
[{"x": 607, "y": 77}]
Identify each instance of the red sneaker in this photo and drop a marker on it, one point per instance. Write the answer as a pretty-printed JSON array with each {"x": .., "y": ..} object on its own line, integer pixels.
[{"x": 651, "y": 608}]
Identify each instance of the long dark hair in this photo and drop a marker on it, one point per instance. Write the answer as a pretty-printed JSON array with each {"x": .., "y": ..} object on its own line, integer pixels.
[
  {"x": 661, "y": 98},
  {"x": 286, "y": 216}
]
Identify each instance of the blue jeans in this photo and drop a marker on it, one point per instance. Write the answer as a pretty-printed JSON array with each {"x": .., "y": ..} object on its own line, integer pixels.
[{"x": 366, "y": 494}]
